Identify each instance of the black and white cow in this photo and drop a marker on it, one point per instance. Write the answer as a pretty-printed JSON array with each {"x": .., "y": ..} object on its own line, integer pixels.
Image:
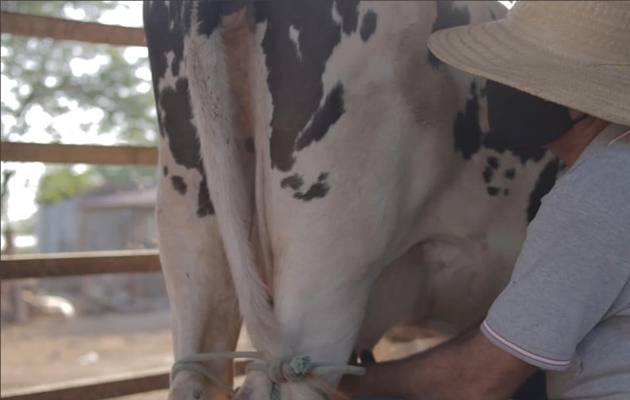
[{"x": 326, "y": 176}]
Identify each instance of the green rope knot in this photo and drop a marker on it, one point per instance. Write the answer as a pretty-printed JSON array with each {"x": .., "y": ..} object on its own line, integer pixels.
[{"x": 293, "y": 371}]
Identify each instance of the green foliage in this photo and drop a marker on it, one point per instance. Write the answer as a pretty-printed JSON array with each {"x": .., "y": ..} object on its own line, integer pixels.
[
  {"x": 47, "y": 73},
  {"x": 61, "y": 183},
  {"x": 59, "y": 76}
]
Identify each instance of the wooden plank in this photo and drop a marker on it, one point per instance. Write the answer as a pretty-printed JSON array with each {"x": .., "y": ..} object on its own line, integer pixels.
[
  {"x": 71, "y": 264},
  {"x": 103, "y": 388},
  {"x": 63, "y": 29},
  {"x": 95, "y": 388},
  {"x": 55, "y": 153}
]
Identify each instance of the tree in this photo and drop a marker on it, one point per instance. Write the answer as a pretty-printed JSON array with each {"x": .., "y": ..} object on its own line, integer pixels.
[
  {"x": 60, "y": 77},
  {"x": 62, "y": 183}
]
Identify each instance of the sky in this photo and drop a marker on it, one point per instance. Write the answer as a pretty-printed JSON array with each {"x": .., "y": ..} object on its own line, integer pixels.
[{"x": 23, "y": 186}]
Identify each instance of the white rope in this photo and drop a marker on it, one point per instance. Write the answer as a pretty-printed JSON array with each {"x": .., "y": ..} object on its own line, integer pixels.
[{"x": 282, "y": 371}]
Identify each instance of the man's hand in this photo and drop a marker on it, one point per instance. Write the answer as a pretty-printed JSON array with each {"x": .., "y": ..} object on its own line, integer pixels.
[{"x": 468, "y": 367}]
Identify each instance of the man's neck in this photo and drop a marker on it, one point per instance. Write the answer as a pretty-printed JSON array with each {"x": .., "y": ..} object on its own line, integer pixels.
[{"x": 572, "y": 144}]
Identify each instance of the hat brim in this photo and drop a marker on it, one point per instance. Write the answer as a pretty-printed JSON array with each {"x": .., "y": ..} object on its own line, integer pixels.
[{"x": 490, "y": 50}]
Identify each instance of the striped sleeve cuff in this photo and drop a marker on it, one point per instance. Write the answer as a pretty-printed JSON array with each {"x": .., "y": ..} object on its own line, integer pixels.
[{"x": 529, "y": 357}]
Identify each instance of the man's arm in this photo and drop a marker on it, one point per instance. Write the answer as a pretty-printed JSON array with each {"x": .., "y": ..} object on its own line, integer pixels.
[{"x": 468, "y": 367}]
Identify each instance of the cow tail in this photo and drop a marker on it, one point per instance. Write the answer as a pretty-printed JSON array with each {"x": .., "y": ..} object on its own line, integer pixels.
[{"x": 214, "y": 106}]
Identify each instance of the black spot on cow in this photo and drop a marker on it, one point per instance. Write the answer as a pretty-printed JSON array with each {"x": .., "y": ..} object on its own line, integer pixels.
[
  {"x": 487, "y": 174},
  {"x": 177, "y": 125},
  {"x": 493, "y": 191},
  {"x": 260, "y": 13},
  {"x": 176, "y": 120},
  {"x": 494, "y": 141},
  {"x": 493, "y": 162},
  {"x": 294, "y": 182},
  {"x": 318, "y": 189},
  {"x": 324, "y": 118},
  {"x": 209, "y": 15},
  {"x": 447, "y": 17},
  {"x": 162, "y": 40},
  {"x": 250, "y": 146},
  {"x": 469, "y": 138},
  {"x": 510, "y": 173},
  {"x": 349, "y": 13},
  {"x": 466, "y": 131},
  {"x": 211, "y": 11},
  {"x": 178, "y": 184},
  {"x": 545, "y": 182},
  {"x": 506, "y": 192},
  {"x": 368, "y": 25},
  {"x": 165, "y": 170},
  {"x": 295, "y": 82},
  {"x": 204, "y": 204}
]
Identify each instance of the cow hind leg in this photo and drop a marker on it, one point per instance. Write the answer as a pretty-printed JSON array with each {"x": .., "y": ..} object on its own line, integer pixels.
[{"x": 203, "y": 302}]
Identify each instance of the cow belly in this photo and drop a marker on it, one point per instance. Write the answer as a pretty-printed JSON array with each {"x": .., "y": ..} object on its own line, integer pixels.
[{"x": 440, "y": 286}]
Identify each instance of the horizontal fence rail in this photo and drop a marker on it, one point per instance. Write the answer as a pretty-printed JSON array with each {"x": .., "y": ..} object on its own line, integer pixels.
[
  {"x": 72, "y": 264},
  {"x": 63, "y": 29},
  {"x": 95, "y": 388},
  {"x": 104, "y": 387},
  {"x": 78, "y": 154}
]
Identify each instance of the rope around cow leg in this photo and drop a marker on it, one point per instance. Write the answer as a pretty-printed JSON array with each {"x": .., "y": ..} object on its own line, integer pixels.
[
  {"x": 294, "y": 370},
  {"x": 191, "y": 363}
]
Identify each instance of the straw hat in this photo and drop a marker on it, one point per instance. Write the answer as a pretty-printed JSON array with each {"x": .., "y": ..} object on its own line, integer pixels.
[{"x": 574, "y": 53}]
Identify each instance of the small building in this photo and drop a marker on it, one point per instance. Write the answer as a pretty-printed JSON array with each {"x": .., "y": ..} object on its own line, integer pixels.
[{"x": 112, "y": 217}]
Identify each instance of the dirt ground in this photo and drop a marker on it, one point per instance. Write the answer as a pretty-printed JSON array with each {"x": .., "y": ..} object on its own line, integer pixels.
[{"x": 48, "y": 350}]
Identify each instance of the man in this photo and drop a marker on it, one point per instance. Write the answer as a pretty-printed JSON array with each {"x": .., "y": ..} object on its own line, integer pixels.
[{"x": 566, "y": 309}]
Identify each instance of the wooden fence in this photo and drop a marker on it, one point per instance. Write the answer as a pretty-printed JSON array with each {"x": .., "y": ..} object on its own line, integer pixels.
[{"x": 55, "y": 265}]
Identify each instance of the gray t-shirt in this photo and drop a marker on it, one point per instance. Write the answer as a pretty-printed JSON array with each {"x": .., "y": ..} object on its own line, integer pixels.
[{"x": 566, "y": 308}]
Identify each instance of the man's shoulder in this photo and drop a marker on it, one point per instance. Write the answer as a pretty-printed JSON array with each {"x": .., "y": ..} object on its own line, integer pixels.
[{"x": 600, "y": 178}]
